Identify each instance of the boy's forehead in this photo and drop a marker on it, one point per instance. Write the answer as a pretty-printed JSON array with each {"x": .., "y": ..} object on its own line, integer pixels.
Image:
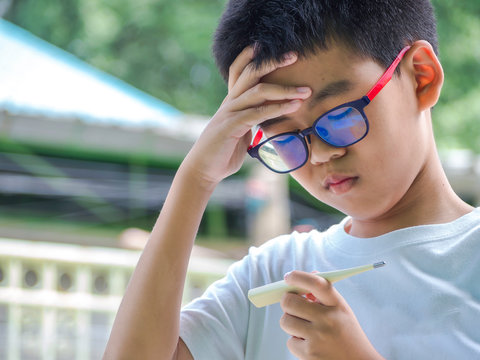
[
  {"x": 323, "y": 66},
  {"x": 327, "y": 72}
]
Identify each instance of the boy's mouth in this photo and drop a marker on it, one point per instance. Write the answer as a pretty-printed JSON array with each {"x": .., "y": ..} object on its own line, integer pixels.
[{"x": 339, "y": 184}]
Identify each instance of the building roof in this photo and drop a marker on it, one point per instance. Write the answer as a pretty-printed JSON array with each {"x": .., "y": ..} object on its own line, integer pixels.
[{"x": 39, "y": 79}]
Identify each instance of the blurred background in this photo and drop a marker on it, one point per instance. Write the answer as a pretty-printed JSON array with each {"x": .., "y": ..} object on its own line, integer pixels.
[{"x": 99, "y": 102}]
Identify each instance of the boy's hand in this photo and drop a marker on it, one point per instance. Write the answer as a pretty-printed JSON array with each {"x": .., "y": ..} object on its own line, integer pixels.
[
  {"x": 221, "y": 149},
  {"x": 322, "y": 325}
]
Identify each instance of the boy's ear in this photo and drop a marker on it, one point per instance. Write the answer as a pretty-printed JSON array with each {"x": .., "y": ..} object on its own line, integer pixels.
[{"x": 428, "y": 73}]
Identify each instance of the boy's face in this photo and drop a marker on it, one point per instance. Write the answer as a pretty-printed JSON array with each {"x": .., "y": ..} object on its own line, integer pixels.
[{"x": 374, "y": 176}]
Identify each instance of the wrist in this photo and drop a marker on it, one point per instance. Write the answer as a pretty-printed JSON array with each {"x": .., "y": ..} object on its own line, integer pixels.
[{"x": 195, "y": 179}]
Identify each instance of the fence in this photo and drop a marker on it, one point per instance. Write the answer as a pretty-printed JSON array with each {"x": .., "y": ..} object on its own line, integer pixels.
[{"x": 58, "y": 301}]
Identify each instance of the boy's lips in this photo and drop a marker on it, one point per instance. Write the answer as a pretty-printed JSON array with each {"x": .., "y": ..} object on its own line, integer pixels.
[{"x": 339, "y": 184}]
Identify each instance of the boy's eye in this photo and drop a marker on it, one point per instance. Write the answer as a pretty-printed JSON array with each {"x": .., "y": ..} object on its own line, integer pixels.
[
  {"x": 341, "y": 119},
  {"x": 283, "y": 140},
  {"x": 271, "y": 132},
  {"x": 339, "y": 115}
]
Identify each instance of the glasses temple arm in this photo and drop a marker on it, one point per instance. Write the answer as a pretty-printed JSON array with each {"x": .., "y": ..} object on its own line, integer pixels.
[
  {"x": 387, "y": 75},
  {"x": 258, "y": 136}
]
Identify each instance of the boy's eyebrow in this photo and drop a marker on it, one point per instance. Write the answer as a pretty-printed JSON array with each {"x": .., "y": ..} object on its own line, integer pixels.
[
  {"x": 334, "y": 88},
  {"x": 274, "y": 121}
]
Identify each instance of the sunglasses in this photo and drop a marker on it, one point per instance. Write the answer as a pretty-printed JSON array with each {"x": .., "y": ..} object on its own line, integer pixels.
[{"x": 340, "y": 127}]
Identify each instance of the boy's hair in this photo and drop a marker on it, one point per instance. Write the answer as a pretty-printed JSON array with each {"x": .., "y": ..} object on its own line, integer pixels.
[{"x": 376, "y": 29}]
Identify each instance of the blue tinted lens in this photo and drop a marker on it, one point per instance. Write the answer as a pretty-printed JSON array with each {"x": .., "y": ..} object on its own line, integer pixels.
[
  {"x": 341, "y": 127},
  {"x": 284, "y": 152}
]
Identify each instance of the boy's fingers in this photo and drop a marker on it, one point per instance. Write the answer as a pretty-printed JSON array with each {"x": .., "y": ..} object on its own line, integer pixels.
[
  {"x": 295, "y": 326},
  {"x": 256, "y": 115},
  {"x": 242, "y": 60},
  {"x": 296, "y": 346},
  {"x": 251, "y": 75},
  {"x": 321, "y": 288},
  {"x": 264, "y": 92},
  {"x": 241, "y": 122},
  {"x": 298, "y": 306}
]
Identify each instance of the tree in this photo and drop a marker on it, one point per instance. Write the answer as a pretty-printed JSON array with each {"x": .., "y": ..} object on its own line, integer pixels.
[{"x": 457, "y": 115}]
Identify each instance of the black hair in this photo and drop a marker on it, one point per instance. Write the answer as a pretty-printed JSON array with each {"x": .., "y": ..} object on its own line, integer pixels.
[{"x": 376, "y": 29}]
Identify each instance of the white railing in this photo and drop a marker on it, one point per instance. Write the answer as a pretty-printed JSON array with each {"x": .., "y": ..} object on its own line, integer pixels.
[{"x": 58, "y": 301}]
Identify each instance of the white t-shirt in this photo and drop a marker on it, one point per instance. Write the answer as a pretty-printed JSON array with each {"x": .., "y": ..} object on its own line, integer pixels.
[{"x": 424, "y": 304}]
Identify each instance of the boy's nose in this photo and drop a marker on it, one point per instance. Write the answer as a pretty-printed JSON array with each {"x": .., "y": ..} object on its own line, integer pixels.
[{"x": 321, "y": 152}]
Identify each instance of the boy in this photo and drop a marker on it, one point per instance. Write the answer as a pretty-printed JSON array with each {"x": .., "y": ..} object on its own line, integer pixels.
[{"x": 341, "y": 92}]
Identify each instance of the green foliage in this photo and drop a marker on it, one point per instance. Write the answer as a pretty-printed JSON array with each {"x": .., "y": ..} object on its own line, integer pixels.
[
  {"x": 163, "y": 47},
  {"x": 160, "y": 46},
  {"x": 457, "y": 116}
]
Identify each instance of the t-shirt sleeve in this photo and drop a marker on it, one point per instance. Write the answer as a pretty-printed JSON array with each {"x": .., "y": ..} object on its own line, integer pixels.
[{"x": 214, "y": 326}]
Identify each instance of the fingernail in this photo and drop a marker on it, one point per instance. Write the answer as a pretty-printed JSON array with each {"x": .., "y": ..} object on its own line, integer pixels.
[
  {"x": 303, "y": 89},
  {"x": 286, "y": 275}
]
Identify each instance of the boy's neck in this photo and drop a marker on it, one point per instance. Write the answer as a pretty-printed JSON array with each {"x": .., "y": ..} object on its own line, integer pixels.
[{"x": 430, "y": 200}]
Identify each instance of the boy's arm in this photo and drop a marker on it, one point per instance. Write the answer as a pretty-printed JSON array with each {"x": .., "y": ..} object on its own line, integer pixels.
[{"x": 147, "y": 322}]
